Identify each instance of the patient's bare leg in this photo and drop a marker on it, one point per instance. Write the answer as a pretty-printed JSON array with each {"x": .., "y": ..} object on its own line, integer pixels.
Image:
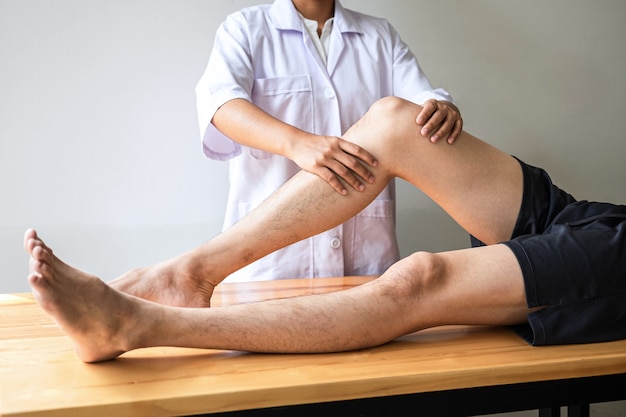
[
  {"x": 301, "y": 208},
  {"x": 478, "y": 185},
  {"x": 473, "y": 286}
]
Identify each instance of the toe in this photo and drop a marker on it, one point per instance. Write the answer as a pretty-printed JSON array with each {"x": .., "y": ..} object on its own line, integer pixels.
[{"x": 29, "y": 235}]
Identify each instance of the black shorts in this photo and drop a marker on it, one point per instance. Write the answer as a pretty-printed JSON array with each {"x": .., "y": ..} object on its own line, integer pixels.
[{"x": 573, "y": 259}]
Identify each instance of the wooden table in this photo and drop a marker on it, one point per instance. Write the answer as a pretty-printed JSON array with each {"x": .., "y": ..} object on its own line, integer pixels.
[{"x": 445, "y": 371}]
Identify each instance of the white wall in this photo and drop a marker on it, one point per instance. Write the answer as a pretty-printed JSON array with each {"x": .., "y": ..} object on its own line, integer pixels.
[{"x": 99, "y": 147}]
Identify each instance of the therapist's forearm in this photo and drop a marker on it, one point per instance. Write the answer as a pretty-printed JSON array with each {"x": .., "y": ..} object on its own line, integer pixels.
[
  {"x": 248, "y": 125},
  {"x": 331, "y": 158}
]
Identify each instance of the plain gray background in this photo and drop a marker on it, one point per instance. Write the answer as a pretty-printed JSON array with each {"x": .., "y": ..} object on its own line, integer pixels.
[{"x": 100, "y": 149}]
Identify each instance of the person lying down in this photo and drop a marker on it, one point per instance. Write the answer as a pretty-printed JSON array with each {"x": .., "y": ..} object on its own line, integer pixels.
[{"x": 553, "y": 267}]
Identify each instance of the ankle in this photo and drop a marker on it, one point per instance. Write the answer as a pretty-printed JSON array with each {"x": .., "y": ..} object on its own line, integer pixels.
[{"x": 197, "y": 268}]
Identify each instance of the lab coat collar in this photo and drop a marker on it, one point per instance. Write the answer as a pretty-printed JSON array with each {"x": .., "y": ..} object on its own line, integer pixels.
[
  {"x": 285, "y": 17},
  {"x": 344, "y": 20}
]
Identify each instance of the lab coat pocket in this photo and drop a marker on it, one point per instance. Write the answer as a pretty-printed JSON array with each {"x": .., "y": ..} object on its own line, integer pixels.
[{"x": 289, "y": 99}]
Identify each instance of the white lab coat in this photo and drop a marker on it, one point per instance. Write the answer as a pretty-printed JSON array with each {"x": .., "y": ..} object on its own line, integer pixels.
[{"x": 264, "y": 54}]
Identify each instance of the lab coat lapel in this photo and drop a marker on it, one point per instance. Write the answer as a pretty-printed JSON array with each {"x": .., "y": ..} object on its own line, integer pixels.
[
  {"x": 343, "y": 24},
  {"x": 285, "y": 17},
  {"x": 335, "y": 50},
  {"x": 310, "y": 46}
]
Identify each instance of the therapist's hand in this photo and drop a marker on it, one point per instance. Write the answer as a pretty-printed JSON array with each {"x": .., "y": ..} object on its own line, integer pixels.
[
  {"x": 440, "y": 120},
  {"x": 334, "y": 159}
]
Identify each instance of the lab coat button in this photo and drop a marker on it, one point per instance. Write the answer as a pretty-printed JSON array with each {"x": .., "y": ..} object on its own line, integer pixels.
[
  {"x": 335, "y": 243},
  {"x": 329, "y": 93}
]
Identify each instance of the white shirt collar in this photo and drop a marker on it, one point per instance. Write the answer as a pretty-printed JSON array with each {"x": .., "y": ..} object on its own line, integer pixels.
[
  {"x": 285, "y": 17},
  {"x": 321, "y": 42}
]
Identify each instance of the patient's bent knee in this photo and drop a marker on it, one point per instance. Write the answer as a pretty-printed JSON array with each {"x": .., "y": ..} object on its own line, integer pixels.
[{"x": 389, "y": 108}]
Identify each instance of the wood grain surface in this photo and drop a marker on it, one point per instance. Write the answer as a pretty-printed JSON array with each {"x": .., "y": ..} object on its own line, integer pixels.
[{"x": 40, "y": 374}]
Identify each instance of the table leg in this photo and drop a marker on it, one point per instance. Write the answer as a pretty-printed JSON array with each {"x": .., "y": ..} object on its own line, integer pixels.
[
  {"x": 581, "y": 410},
  {"x": 550, "y": 412}
]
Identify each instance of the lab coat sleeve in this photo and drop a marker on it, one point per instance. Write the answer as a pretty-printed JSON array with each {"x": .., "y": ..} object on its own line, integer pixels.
[
  {"x": 409, "y": 81},
  {"x": 229, "y": 75}
]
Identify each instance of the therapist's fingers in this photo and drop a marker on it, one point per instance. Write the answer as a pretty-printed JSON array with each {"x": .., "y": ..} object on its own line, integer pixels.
[
  {"x": 345, "y": 170},
  {"x": 456, "y": 132},
  {"x": 338, "y": 162},
  {"x": 346, "y": 175},
  {"x": 348, "y": 163},
  {"x": 432, "y": 125},
  {"x": 353, "y": 173},
  {"x": 331, "y": 178},
  {"x": 428, "y": 109},
  {"x": 445, "y": 130},
  {"x": 452, "y": 125},
  {"x": 356, "y": 159},
  {"x": 359, "y": 152},
  {"x": 440, "y": 119}
]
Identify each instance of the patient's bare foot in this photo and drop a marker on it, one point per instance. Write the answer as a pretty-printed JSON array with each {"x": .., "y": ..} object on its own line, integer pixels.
[
  {"x": 174, "y": 282},
  {"x": 97, "y": 318}
]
